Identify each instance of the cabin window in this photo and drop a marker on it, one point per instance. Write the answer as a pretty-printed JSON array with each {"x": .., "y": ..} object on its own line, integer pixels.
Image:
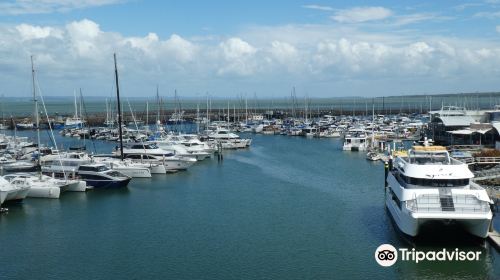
[
  {"x": 94, "y": 177},
  {"x": 87, "y": 168},
  {"x": 436, "y": 182},
  {"x": 115, "y": 174}
]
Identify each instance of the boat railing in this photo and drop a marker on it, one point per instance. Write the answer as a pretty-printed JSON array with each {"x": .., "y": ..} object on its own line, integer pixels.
[{"x": 435, "y": 203}]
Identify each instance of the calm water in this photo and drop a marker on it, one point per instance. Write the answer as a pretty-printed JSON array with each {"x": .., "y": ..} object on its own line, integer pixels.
[{"x": 287, "y": 208}]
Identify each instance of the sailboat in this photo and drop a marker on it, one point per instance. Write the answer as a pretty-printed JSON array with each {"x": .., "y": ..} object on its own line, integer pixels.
[
  {"x": 75, "y": 121},
  {"x": 99, "y": 175}
]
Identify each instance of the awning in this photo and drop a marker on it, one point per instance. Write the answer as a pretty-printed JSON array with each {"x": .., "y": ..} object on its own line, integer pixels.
[
  {"x": 469, "y": 131},
  {"x": 456, "y": 120}
]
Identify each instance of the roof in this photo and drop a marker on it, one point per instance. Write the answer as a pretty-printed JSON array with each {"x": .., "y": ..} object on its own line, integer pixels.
[
  {"x": 428, "y": 148},
  {"x": 456, "y": 120}
]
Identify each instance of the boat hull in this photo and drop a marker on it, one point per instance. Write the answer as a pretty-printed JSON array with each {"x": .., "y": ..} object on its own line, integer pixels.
[
  {"x": 134, "y": 172},
  {"x": 44, "y": 192},
  {"x": 78, "y": 186},
  {"x": 411, "y": 223},
  {"x": 107, "y": 184}
]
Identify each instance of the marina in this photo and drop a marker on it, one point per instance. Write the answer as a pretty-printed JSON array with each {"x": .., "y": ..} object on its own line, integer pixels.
[
  {"x": 261, "y": 196},
  {"x": 249, "y": 140}
]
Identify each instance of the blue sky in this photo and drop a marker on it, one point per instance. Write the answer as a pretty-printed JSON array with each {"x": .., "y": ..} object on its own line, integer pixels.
[{"x": 229, "y": 48}]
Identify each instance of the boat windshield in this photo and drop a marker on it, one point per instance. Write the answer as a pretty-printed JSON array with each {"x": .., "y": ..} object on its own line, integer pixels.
[
  {"x": 114, "y": 173},
  {"x": 423, "y": 158}
]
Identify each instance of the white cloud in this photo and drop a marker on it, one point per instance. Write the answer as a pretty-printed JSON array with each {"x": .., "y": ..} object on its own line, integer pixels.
[
  {"x": 80, "y": 54},
  {"x": 361, "y": 14},
  {"x": 418, "y": 17},
  {"x": 30, "y": 32},
  {"x": 318, "y": 7},
  {"x": 497, "y": 28},
  {"x": 239, "y": 57},
  {"x": 182, "y": 49},
  {"x": 18, "y": 7}
]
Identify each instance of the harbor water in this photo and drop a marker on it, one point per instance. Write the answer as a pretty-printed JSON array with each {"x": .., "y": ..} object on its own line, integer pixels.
[{"x": 286, "y": 208}]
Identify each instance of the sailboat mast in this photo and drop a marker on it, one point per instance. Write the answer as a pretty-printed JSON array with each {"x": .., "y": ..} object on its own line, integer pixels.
[
  {"x": 246, "y": 110},
  {"x": 147, "y": 114},
  {"x": 198, "y": 117},
  {"x": 119, "y": 109},
  {"x": 76, "y": 107},
  {"x": 37, "y": 120}
]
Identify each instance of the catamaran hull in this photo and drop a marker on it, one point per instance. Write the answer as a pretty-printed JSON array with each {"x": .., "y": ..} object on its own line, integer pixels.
[
  {"x": 158, "y": 169},
  {"x": 354, "y": 148},
  {"x": 3, "y": 196},
  {"x": 44, "y": 192},
  {"x": 79, "y": 186},
  {"x": 411, "y": 223},
  {"x": 17, "y": 195}
]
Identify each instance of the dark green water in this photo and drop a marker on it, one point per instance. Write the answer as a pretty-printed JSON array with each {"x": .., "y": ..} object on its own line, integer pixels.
[{"x": 287, "y": 208}]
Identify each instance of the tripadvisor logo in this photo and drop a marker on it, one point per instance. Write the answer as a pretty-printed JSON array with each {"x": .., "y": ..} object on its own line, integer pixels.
[{"x": 387, "y": 255}]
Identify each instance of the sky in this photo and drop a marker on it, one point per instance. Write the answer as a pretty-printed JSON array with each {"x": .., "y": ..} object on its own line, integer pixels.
[{"x": 247, "y": 48}]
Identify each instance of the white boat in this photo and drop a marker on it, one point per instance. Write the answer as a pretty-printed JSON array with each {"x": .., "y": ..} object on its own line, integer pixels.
[
  {"x": 162, "y": 164},
  {"x": 39, "y": 186},
  {"x": 355, "y": 140},
  {"x": 151, "y": 153},
  {"x": 12, "y": 192},
  {"x": 181, "y": 150},
  {"x": 373, "y": 156},
  {"x": 428, "y": 186},
  {"x": 127, "y": 167},
  {"x": 228, "y": 139}
]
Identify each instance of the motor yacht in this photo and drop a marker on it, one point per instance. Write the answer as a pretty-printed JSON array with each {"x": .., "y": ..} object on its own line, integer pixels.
[
  {"x": 426, "y": 186},
  {"x": 99, "y": 176}
]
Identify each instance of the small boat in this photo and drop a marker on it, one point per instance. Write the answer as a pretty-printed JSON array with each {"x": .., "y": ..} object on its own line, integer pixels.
[{"x": 373, "y": 156}]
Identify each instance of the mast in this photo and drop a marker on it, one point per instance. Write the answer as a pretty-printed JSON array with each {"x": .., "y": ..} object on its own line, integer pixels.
[
  {"x": 119, "y": 109},
  {"x": 147, "y": 115},
  {"x": 246, "y": 110},
  {"x": 158, "y": 104},
  {"x": 81, "y": 114},
  {"x": 373, "y": 123},
  {"x": 76, "y": 107},
  {"x": 81, "y": 117},
  {"x": 207, "y": 120},
  {"x": 198, "y": 118},
  {"x": 37, "y": 120}
]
